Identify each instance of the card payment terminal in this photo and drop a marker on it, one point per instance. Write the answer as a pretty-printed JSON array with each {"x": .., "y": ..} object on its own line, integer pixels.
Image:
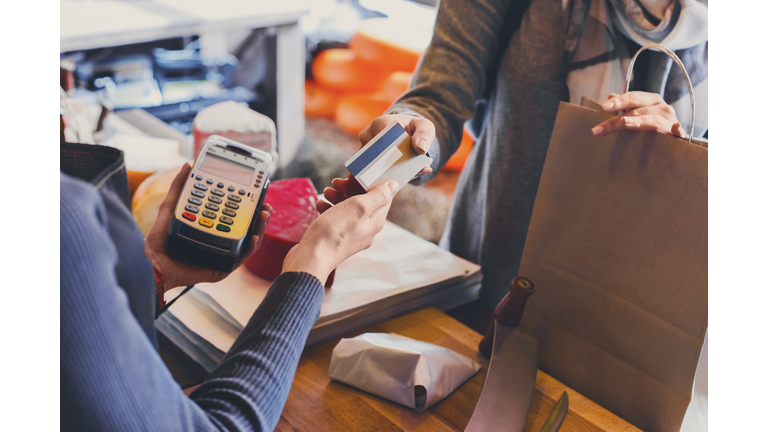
[{"x": 218, "y": 208}]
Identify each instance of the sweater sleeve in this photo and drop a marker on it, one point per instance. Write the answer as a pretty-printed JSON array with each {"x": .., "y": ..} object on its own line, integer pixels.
[
  {"x": 113, "y": 379},
  {"x": 452, "y": 73}
]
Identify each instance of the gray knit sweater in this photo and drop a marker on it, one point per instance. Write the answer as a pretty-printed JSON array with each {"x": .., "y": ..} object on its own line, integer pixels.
[
  {"x": 526, "y": 81},
  {"x": 494, "y": 198}
]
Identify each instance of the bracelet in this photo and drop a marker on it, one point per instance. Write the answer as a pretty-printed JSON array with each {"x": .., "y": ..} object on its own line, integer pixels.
[{"x": 159, "y": 287}]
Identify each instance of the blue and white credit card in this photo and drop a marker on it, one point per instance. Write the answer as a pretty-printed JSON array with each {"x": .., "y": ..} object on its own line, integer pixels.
[{"x": 388, "y": 156}]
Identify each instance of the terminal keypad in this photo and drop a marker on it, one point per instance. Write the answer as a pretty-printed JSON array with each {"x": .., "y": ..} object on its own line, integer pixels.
[{"x": 216, "y": 196}]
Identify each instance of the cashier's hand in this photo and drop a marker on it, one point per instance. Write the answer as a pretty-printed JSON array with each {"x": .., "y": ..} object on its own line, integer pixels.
[
  {"x": 421, "y": 130},
  {"x": 175, "y": 273},
  {"x": 341, "y": 232},
  {"x": 640, "y": 111}
]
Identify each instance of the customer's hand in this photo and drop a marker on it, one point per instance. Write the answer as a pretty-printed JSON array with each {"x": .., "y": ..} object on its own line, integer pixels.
[
  {"x": 341, "y": 231},
  {"x": 641, "y": 111},
  {"x": 178, "y": 274},
  {"x": 421, "y": 130}
]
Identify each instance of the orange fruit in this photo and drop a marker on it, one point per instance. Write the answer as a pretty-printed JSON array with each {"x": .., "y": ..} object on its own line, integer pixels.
[
  {"x": 319, "y": 101},
  {"x": 389, "y": 44},
  {"x": 396, "y": 84},
  {"x": 339, "y": 69},
  {"x": 355, "y": 112}
]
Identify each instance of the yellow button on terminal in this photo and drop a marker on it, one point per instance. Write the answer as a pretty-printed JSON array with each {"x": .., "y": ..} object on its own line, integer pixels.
[{"x": 206, "y": 222}]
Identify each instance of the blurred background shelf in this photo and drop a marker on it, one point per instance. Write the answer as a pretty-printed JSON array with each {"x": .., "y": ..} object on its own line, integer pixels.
[
  {"x": 107, "y": 31},
  {"x": 321, "y": 70}
]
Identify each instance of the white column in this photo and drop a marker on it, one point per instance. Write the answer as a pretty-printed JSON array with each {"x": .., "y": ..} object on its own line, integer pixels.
[{"x": 290, "y": 91}]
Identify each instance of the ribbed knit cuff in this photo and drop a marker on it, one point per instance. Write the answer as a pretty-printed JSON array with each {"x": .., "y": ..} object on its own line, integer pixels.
[{"x": 251, "y": 383}]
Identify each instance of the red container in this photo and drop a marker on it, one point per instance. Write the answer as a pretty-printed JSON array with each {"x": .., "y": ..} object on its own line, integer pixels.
[{"x": 293, "y": 211}]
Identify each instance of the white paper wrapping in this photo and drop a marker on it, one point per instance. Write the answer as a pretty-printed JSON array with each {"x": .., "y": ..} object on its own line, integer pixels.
[
  {"x": 394, "y": 367},
  {"x": 399, "y": 273}
]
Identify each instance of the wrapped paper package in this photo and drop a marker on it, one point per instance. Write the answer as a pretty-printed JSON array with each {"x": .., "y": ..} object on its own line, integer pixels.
[{"x": 410, "y": 372}]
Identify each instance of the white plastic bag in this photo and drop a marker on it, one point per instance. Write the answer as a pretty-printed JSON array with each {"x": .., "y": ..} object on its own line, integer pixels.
[{"x": 412, "y": 373}]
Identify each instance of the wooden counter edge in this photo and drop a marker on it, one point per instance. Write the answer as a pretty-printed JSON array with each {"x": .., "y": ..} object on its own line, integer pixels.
[
  {"x": 546, "y": 384},
  {"x": 549, "y": 386}
]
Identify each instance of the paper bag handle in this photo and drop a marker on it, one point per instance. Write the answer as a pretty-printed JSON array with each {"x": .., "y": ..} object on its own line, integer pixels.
[{"x": 679, "y": 63}]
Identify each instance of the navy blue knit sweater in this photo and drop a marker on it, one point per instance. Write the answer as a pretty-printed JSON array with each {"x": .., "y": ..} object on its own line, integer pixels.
[{"x": 112, "y": 378}]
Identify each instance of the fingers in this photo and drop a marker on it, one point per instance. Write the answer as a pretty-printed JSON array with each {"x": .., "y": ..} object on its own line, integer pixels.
[
  {"x": 608, "y": 127},
  {"x": 661, "y": 109},
  {"x": 426, "y": 170},
  {"x": 258, "y": 235},
  {"x": 322, "y": 206},
  {"x": 630, "y": 100},
  {"x": 261, "y": 228},
  {"x": 349, "y": 186},
  {"x": 264, "y": 215},
  {"x": 340, "y": 190},
  {"x": 333, "y": 196},
  {"x": 640, "y": 111},
  {"x": 653, "y": 122},
  {"x": 677, "y": 130}
]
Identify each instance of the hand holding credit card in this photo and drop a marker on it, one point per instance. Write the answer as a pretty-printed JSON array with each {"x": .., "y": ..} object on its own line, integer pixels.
[{"x": 388, "y": 156}]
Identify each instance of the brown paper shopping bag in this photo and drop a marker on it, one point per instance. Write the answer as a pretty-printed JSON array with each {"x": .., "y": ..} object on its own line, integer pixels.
[{"x": 617, "y": 247}]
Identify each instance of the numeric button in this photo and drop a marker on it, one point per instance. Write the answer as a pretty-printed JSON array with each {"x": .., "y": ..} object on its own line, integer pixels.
[
  {"x": 209, "y": 214},
  {"x": 234, "y": 198},
  {"x": 229, "y": 212},
  {"x": 195, "y": 201},
  {"x": 214, "y": 199},
  {"x": 217, "y": 192},
  {"x": 231, "y": 205},
  {"x": 212, "y": 206},
  {"x": 197, "y": 193},
  {"x": 201, "y": 186},
  {"x": 192, "y": 209},
  {"x": 226, "y": 220}
]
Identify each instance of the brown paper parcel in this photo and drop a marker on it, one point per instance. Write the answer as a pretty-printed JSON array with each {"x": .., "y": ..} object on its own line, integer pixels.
[{"x": 617, "y": 245}]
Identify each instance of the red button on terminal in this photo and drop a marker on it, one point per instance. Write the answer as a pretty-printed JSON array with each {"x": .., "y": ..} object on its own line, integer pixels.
[{"x": 189, "y": 216}]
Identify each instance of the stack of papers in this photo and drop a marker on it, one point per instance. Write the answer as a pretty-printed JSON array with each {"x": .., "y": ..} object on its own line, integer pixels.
[{"x": 399, "y": 273}]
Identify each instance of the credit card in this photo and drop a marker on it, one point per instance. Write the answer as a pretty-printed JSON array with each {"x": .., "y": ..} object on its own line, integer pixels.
[{"x": 388, "y": 156}]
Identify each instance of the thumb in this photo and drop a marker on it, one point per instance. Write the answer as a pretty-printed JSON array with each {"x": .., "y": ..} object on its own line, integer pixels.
[
  {"x": 378, "y": 197},
  {"x": 422, "y": 136},
  {"x": 176, "y": 186}
]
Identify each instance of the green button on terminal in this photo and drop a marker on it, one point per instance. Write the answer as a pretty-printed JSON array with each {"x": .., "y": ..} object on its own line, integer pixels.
[{"x": 222, "y": 227}]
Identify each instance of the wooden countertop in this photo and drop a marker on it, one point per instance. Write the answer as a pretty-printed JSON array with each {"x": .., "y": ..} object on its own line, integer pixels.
[{"x": 316, "y": 403}]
